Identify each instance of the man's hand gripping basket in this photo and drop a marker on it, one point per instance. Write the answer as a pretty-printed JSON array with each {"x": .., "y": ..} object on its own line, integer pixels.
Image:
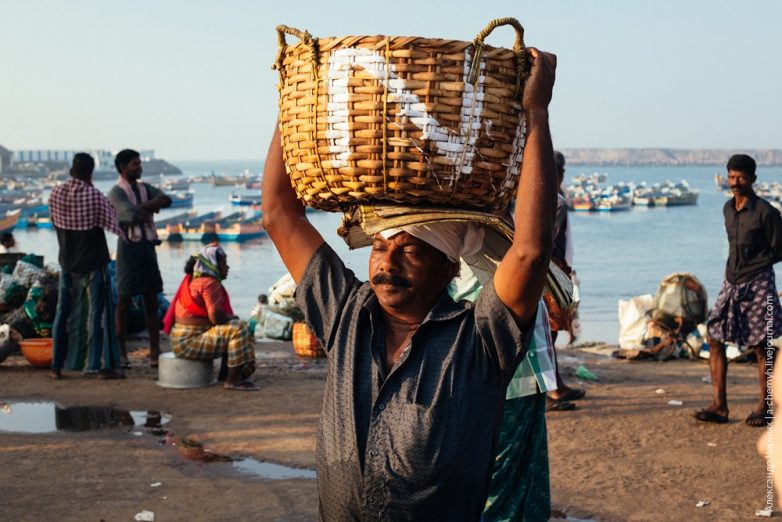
[{"x": 402, "y": 119}]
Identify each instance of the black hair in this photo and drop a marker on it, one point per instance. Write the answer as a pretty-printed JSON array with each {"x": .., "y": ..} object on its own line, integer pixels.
[
  {"x": 190, "y": 264},
  {"x": 743, "y": 163},
  {"x": 124, "y": 157},
  {"x": 6, "y": 236},
  {"x": 82, "y": 165},
  {"x": 262, "y": 299},
  {"x": 559, "y": 159}
]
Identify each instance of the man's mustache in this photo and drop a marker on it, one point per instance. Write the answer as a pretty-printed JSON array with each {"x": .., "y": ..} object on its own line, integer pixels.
[{"x": 390, "y": 279}]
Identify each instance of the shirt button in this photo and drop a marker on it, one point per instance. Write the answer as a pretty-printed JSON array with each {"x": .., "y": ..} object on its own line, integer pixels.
[
  {"x": 532, "y": 354},
  {"x": 381, "y": 406},
  {"x": 373, "y": 452},
  {"x": 371, "y": 500}
]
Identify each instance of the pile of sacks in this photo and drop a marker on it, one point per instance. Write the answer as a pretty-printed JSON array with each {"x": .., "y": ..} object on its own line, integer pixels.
[
  {"x": 273, "y": 316},
  {"x": 28, "y": 297},
  {"x": 670, "y": 325}
]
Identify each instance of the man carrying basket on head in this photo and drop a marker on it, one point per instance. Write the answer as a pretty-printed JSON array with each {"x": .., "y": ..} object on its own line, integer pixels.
[{"x": 416, "y": 382}]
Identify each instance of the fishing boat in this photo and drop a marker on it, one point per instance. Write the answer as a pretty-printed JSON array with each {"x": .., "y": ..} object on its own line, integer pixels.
[
  {"x": 245, "y": 199},
  {"x": 676, "y": 195},
  {"x": 253, "y": 184},
  {"x": 10, "y": 220},
  {"x": 182, "y": 199},
  {"x": 583, "y": 204},
  {"x": 225, "y": 181},
  {"x": 174, "y": 184},
  {"x": 171, "y": 228},
  {"x": 613, "y": 203},
  {"x": 204, "y": 228},
  {"x": 247, "y": 228}
]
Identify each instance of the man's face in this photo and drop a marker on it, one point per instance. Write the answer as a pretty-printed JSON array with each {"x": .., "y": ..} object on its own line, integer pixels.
[
  {"x": 407, "y": 273},
  {"x": 132, "y": 171},
  {"x": 739, "y": 182}
]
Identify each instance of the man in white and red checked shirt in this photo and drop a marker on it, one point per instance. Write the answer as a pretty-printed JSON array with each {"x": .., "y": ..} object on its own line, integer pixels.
[{"x": 80, "y": 214}]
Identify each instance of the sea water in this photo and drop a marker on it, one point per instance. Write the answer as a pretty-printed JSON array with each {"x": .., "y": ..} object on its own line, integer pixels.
[{"x": 617, "y": 255}]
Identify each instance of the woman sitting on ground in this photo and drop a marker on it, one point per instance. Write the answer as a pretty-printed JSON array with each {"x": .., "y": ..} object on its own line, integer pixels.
[{"x": 204, "y": 325}]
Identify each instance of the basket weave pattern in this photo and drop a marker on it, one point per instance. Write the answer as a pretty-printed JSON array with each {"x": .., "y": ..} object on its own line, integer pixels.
[
  {"x": 305, "y": 344},
  {"x": 401, "y": 119}
]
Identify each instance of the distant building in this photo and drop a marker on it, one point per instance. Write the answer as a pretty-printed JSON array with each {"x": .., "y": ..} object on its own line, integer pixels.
[
  {"x": 6, "y": 158},
  {"x": 104, "y": 159}
]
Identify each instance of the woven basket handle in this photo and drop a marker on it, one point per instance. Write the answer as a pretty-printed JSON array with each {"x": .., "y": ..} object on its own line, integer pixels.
[
  {"x": 304, "y": 36},
  {"x": 519, "y": 50}
]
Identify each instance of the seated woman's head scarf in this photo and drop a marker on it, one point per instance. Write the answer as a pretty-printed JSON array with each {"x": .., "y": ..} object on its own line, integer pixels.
[
  {"x": 205, "y": 265},
  {"x": 206, "y": 261}
]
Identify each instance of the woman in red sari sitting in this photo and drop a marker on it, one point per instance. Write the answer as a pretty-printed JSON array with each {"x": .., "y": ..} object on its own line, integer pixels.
[{"x": 202, "y": 324}]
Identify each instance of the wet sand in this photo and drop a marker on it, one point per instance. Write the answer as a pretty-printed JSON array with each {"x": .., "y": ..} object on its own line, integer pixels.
[{"x": 625, "y": 454}]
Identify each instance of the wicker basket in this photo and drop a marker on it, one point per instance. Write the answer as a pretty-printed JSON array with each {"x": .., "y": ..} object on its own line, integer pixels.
[
  {"x": 402, "y": 119},
  {"x": 305, "y": 344}
]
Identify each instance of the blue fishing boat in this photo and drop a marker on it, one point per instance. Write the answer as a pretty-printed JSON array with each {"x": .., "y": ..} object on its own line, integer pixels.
[{"x": 182, "y": 199}]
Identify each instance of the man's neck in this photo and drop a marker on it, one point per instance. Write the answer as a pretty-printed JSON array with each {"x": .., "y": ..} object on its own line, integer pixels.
[{"x": 740, "y": 201}]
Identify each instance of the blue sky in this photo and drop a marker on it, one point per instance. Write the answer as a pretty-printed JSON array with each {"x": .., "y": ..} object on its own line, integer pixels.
[{"x": 192, "y": 79}]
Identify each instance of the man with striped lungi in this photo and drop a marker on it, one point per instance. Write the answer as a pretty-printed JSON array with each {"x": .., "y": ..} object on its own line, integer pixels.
[{"x": 747, "y": 310}]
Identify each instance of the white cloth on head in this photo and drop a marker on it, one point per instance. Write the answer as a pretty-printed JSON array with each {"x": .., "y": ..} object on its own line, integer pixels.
[{"x": 455, "y": 239}]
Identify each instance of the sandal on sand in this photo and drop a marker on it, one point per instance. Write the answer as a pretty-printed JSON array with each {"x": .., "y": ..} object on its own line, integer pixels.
[
  {"x": 710, "y": 416},
  {"x": 573, "y": 394},
  {"x": 758, "y": 419},
  {"x": 242, "y": 386},
  {"x": 552, "y": 405}
]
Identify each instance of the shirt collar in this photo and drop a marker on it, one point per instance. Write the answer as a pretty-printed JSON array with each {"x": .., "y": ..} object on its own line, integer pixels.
[{"x": 750, "y": 205}]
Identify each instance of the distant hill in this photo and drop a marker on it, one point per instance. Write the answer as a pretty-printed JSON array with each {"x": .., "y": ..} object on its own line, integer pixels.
[{"x": 667, "y": 157}]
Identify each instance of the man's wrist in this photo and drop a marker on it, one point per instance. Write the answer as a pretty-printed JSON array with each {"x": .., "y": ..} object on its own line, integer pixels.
[{"x": 536, "y": 116}]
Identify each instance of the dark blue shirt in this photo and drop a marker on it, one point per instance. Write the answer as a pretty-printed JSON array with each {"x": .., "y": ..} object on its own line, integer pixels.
[
  {"x": 416, "y": 442},
  {"x": 754, "y": 237}
]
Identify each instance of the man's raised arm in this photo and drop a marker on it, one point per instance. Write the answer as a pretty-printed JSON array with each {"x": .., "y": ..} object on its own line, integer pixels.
[
  {"x": 521, "y": 274},
  {"x": 283, "y": 214}
]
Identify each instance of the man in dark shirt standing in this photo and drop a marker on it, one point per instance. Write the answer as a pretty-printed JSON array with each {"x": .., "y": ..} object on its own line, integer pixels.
[
  {"x": 747, "y": 310},
  {"x": 416, "y": 382},
  {"x": 80, "y": 214},
  {"x": 137, "y": 269}
]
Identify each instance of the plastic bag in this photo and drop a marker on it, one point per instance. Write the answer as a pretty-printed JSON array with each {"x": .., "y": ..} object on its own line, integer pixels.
[
  {"x": 274, "y": 326},
  {"x": 26, "y": 274},
  {"x": 633, "y": 320}
]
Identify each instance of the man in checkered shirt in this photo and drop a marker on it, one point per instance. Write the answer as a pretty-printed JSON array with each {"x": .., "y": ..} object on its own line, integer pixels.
[{"x": 80, "y": 214}]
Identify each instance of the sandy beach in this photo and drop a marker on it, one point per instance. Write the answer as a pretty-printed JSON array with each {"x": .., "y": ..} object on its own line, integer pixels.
[{"x": 625, "y": 454}]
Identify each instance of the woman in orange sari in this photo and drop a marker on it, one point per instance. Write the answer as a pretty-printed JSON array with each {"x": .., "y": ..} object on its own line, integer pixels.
[{"x": 202, "y": 324}]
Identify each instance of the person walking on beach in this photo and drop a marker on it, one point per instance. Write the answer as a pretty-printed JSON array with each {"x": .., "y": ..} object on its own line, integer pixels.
[
  {"x": 137, "y": 268},
  {"x": 416, "y": 382},
  {"x": 561, "y": 320},
  {"x": 80, "y": 214},
  {"x": 747, "y": 310}
]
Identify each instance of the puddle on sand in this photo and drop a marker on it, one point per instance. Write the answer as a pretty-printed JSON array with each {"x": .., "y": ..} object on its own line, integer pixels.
[
  {"x": 48, "y": 417},
  {"x": 269, "y": 470},
  {"x": 192, "y": 449}
]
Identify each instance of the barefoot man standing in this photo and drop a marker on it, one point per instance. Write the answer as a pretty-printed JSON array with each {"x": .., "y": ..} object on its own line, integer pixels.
[{"x": 747, "y": 310}]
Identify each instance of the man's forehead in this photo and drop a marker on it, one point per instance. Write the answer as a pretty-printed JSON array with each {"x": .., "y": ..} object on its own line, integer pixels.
[{"x": 400, "y": 237}]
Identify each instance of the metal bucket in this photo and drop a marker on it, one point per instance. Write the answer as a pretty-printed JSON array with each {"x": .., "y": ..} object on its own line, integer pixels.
[{"x": 183, "y": 373}]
